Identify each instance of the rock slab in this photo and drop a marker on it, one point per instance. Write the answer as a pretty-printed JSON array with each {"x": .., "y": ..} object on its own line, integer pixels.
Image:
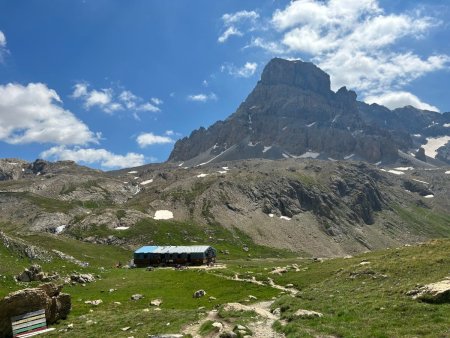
[
  {"x": 48, "y": 296},
  {"x": 433, "y": 293}
]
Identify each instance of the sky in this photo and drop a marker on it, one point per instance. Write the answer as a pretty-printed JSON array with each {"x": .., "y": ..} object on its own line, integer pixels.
[{"x": 113, "y": 84}]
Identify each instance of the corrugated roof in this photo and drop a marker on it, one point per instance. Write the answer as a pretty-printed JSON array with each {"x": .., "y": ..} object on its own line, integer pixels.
[
  {"x": 146, "y": 249},
  {"x": 179, "y": 249},
  {"x": 173, "y": 249}
]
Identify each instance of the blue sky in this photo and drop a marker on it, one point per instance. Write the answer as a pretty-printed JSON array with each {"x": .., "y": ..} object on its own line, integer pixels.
[{"x": 113, "y": 84}]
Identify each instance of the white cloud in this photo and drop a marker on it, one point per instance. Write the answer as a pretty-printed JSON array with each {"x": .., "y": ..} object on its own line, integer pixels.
[
  {"x": 273, "y": 47},
  {"x": 102, "y": 98},
  {"x": 3, "y": 49},
  {"x": 202, "y": 97},
  {"x": 148, "y": 139},
  {"x": 128, "y": 99},
  {"x": 147, "y": 107},
  {"x": 33, "y": 113},
  {"x": 233, "y": 18},
  {"x": 246, "y": 70},
  {"x": 2, "y": 39},
  {"x": 234, "y": 23},
  {"x": 105, "y": 158},
  {"x": 156, "y": 101},
  {"x": 353, "y": 41},
  {"x": 230, "y": 31},
  {"x": 109, "y": 102},
  {"x": 400, "y": 99}
]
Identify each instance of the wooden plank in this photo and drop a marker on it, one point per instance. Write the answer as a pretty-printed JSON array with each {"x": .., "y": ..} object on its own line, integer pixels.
[
  {"x": 30, "y": 323},
  {"x": 29, "y": 328},
  {"x": 28, "y": 319},
  {"x": 35, "y": 333},
  {"x": 26, "y": 315}
]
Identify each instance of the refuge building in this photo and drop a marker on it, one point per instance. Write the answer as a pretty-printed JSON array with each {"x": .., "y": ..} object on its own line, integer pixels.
[{"x": 172, "y": 255}]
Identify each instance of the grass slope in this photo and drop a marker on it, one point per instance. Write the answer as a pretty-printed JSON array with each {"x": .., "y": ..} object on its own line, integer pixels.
[{"x": 357, "y": 300}]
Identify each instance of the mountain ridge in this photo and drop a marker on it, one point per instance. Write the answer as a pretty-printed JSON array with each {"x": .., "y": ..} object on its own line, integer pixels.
[{"x": 292, "y": 112}]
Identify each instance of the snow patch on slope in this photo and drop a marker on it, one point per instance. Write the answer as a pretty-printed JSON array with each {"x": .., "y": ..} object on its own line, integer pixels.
[
  {"x": 146, "y": 182},
  {"x": 309, "y": 154},
  {"x": 163, "y": 214},
  {"x": 266, "y": 148},
  {"x": 433, "y": 144}
]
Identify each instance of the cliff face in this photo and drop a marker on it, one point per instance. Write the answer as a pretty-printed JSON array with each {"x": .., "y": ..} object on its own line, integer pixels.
[{"x": 292, "y": 112}]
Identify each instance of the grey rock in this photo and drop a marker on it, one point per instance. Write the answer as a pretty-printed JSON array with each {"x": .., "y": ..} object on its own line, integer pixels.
[
  {"x": 433, "y": 293},
  {"x": 82, "y": 278},
  {"x": 137, "y": 296},
  {"x": 57, "y": 305},
  {"x": 307, "y": 314},
  {"x": 199, "y": 293}
]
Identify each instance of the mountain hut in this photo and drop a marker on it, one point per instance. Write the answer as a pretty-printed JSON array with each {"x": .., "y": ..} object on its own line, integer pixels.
[{"x": 172, "y": 255}]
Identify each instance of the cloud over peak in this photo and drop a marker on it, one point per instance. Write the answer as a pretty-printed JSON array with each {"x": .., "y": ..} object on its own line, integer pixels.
[
  {"x": 355, "y": 41},
  {"x": 399, "y": 99},
  {"x": 247, "y": 70}
]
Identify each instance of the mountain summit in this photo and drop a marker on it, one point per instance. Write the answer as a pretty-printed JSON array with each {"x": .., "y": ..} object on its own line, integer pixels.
[{"x": 293, "y": 113}]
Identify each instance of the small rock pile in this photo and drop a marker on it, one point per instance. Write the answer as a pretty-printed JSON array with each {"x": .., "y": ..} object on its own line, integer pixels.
[
  {"x": 82, "y": 278},
  {"x": 35, "y": 273}
]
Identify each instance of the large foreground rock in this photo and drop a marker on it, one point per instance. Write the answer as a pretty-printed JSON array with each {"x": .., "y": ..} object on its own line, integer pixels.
[
  {"x": 433, "y": 293},
  {"x": 48, "y": 296}
]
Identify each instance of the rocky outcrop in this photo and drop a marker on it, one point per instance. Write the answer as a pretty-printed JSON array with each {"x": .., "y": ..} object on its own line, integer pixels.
[
  {"x": 11, "y": 169},
  {"x": 34, "y": 273},
  {"x": 433, "y": 293},
  {"x": 57, "y": 305},
  {"x": 23, "y": 248}
]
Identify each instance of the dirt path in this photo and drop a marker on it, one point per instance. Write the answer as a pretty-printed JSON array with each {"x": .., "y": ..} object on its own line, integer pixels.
[
  {"x": 262, "y": 328},
  {"x": 269, "y": 282}
]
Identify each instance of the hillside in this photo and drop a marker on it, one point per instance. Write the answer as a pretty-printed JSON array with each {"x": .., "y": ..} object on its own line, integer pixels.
[{"x": 320, "y": 208}]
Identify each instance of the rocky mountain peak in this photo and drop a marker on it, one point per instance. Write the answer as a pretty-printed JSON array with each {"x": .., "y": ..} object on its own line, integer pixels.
[
  {"x": 293, "y": 113},
  {"x": 304, "y": 75}
]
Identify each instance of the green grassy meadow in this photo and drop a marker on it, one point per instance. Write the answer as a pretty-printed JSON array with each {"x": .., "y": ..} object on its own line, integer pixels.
[{"x": 357, "y": 300}]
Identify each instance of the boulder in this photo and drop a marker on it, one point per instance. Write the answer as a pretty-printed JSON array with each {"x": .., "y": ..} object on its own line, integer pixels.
[
  {"x": 218, "y": 326},
  {"x": 433, "y": 293},
  {"x": 228, "y": 334},
  {"x": 156, "y": 302},
  {"x": 82, "y": 278},
  {"x": 137, "y": 296},
  {"x": 199, "y": 293},
  {"x": 307, "y": 314},
  {"x": 57, "y": 305}
]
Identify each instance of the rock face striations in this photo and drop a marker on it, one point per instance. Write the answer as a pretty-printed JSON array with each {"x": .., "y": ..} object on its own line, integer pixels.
[{"x": 292, "y": 113}]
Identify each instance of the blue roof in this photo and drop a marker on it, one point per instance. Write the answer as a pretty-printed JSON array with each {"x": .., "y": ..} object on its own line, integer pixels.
[
  {"x": 146, "y": 249},
  {"x": 173, "y": 249}
]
